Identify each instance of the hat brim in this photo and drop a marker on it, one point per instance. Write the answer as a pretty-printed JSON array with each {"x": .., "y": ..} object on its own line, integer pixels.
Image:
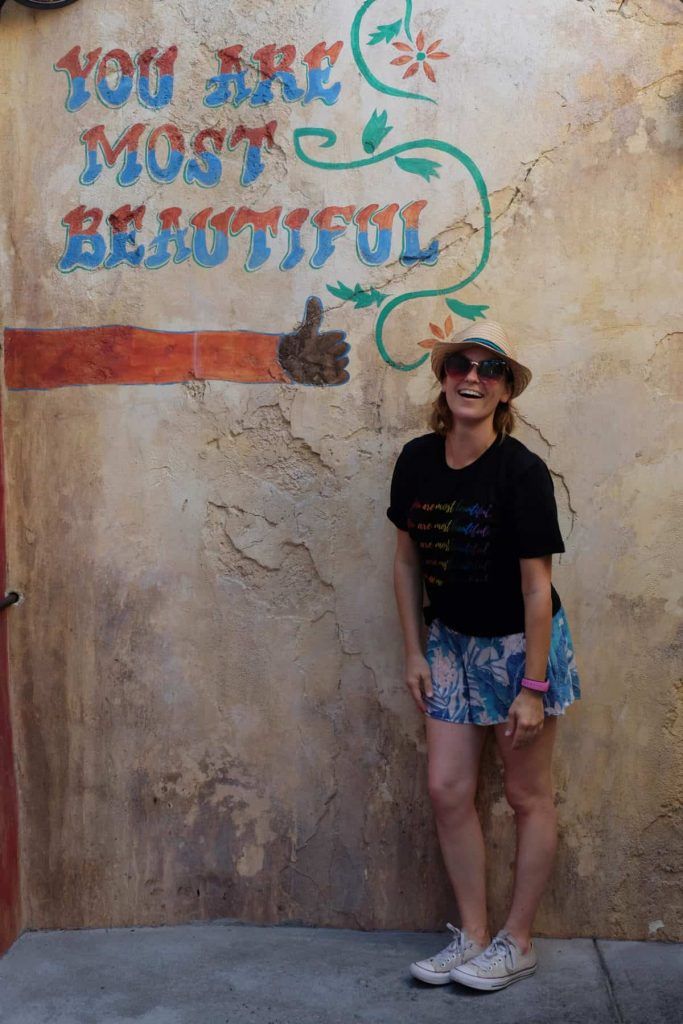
[{"x": 521, "y": 375}]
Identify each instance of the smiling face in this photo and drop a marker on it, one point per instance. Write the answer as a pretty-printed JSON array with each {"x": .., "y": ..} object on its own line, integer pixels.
[{"x": 470, "y": 398}]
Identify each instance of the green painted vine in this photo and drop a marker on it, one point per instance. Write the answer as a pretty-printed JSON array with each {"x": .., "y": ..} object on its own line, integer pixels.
[
  {"x": 373, "y": 136},
  {"x": 327, "y": 139},
  {"x": 383, "y": 33}
]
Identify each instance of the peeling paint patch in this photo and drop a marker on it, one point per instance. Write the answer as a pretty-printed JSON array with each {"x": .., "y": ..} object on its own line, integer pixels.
[{"x": 665, "y": 366}]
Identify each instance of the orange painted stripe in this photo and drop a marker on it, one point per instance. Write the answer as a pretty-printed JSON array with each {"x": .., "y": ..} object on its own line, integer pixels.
[{"x": 136, "y": 355}]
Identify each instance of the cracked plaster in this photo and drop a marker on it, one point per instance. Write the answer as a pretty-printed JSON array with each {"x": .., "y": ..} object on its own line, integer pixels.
[{"x": 206, "y": 674}]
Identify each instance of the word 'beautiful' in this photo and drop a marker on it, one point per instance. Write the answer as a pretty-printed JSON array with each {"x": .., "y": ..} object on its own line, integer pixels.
[{"x": 87, "y": 249}]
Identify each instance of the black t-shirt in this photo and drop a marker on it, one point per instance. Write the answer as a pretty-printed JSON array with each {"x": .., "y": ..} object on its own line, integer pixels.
[{"x": 472, "y": 525}]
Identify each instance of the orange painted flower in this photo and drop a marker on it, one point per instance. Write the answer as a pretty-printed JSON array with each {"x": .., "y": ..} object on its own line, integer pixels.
[
  {"x": 438, "y": 334},
  {"x": 418, "y": 57}
]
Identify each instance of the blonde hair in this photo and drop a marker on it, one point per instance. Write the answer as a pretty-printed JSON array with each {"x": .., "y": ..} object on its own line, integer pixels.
[{"x": 441, "y": 417}]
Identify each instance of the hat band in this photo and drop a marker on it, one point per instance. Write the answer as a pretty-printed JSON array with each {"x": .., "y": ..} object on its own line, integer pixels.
[{"x": 490, "y": 344}]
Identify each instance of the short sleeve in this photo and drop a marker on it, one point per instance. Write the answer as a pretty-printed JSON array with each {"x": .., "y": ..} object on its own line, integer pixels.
[
  {"x": 535, "y": 529},
  {"x": 402, "y": 490}
]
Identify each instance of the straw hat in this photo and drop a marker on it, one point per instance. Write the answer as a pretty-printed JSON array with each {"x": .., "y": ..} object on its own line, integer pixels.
[{"x": 491, "y": 335}]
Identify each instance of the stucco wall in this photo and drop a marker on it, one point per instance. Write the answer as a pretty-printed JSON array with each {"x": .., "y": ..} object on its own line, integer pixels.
[
  {"x": 10, "y": 888},
  {"x": 206, "y": 674}
]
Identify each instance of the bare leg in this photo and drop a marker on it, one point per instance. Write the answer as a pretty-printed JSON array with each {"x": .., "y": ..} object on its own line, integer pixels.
[
  {"x": 454, "y": 757},
  {"x": 529, "y": 791}
]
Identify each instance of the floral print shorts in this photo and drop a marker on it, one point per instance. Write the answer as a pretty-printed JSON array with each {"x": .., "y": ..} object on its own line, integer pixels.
[{"x": 476, "y": 678}]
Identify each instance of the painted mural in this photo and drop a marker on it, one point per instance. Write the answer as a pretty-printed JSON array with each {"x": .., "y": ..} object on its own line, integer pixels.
[
  {"x": 238, "y": 237},
  {"x": 134, "y": 355},
  {"x": 172, "y": 768}
]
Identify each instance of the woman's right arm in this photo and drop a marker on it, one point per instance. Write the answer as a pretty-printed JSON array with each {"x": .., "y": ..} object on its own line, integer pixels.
[{"x": 408, "y": 590}]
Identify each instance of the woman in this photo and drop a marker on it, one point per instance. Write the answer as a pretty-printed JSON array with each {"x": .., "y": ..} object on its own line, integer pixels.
[{"x": 477, "y": 528}]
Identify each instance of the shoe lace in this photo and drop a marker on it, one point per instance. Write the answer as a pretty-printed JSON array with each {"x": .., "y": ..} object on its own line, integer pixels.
[
  {"x": 455, "y": 946},
  {"x": 500, "y": 947}
]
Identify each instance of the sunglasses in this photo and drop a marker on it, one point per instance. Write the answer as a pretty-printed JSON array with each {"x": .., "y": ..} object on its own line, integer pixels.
[{"x": 458, "y": 365}]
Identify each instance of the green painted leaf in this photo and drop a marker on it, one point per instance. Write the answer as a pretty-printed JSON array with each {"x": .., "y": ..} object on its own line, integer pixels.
[
  {"x": 419, "y": 165},
  {"x": 375, "y": 131},
  {"x": 464, "y": 309},
  {"x": 342, "y": 291},
  {"x": 364, "y": 299},
  {"x": 361, "y": 297},
  {"x": 385, "y": 33}
]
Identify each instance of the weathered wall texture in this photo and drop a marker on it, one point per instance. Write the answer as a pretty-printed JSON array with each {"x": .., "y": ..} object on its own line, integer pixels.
[
  {"x": 10, "y": 889},
  {"x": 206, "y": 672}
]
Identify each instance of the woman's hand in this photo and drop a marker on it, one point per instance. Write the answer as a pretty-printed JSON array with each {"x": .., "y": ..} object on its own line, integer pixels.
[
  {"x": 418, "y": 679},
  {"x": 525, "y": 720}
]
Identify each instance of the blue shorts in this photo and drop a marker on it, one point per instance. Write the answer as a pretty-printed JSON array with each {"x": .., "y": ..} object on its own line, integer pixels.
[{"x": 476, "y": 678}]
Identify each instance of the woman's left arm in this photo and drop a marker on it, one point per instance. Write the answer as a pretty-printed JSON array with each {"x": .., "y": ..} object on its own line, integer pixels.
[
  {"x": 526, "y": 711},
  {"x": 538, "y": 614}
]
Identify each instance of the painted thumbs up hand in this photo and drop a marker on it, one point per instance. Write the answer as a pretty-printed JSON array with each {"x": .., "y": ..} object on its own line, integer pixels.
[{"x": 310, "y": 356}]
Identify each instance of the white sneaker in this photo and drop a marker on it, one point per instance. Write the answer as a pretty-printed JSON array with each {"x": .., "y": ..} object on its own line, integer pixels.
[
  {"x": 498, "y": 966},
  {"x": 436, "y": 970}
]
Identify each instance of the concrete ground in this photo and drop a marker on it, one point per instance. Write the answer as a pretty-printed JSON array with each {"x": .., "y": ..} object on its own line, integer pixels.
[{"x": 225, "y": 973}]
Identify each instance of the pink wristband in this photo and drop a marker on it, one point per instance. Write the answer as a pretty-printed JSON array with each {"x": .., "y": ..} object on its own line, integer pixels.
[{"x": 536, "y": 684}]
